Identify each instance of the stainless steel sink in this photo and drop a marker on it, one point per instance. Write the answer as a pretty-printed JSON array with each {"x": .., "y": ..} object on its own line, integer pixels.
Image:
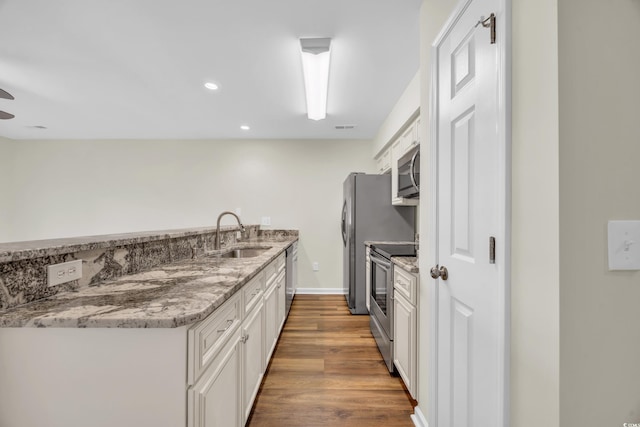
[{"x": 244, "y": 253}]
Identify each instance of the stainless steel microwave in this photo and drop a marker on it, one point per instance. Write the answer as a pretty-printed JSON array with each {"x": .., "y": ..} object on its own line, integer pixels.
[{"x": 409, "y": 174}]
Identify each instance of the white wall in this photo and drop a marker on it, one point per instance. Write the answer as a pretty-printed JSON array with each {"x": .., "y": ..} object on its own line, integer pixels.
[
  {"x": 599, "y": 178},
  {"x": 406, "y": 105},
  {"x": 535, "y": 277},
  {"x": 74, "y": 188},
  {"x": 6, "y": 185}
]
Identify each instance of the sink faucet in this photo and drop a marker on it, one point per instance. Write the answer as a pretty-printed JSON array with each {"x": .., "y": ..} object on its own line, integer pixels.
[{"x": 218, "y": 226}]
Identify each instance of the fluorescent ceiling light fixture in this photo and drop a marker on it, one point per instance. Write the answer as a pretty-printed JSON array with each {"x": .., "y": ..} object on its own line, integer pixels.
[
  {"x": 315, "y": 66},
  {"x": 211, "y": 86},
  {"x": 245, "y": 127}
]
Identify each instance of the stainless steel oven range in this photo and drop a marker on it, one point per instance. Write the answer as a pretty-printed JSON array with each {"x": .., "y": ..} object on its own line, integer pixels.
[{"x": 381, "y": 311}]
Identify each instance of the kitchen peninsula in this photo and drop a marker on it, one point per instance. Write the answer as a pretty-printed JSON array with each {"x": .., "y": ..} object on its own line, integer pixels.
[{"x": 159, "y": 331}]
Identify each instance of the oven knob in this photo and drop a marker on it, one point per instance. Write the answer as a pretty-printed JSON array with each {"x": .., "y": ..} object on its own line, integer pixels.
[{"x": 440, "y": 272}]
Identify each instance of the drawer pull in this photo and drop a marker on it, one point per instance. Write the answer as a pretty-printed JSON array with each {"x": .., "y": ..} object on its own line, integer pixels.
[
  {"x": 245, "y": 338},
  {"x": 229, "y": 323}
]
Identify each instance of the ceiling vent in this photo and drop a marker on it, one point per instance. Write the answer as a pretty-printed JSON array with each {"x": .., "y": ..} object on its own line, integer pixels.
[{"x": 344, "y": 127}]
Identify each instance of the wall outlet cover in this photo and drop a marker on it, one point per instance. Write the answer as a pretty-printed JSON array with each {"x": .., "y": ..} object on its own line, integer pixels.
[
  {"x": 624, "y": 245},
  {"x": 266, "y": 220},
  {"x": 58, "y": 274}
]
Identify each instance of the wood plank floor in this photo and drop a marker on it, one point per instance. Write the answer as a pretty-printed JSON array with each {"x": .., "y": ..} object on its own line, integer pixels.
[{"x": 326, "y": 371}]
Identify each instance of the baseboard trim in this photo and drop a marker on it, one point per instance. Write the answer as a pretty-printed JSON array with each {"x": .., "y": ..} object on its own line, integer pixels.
[
  {"x": 320, "y": 291},
  {"x": 418, "y": 418}
]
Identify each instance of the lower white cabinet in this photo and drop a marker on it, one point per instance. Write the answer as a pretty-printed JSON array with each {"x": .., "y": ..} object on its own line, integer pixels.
[
  {"x": 274, "y": 308},
  {"x": 214, "y": 401},
  {"x": 252, "y": 359},
  {"x": 405, "y": 325},
  {"x": 223, "y": 396}
]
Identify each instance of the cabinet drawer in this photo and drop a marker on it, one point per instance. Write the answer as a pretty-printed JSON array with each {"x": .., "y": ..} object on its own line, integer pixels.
[
  {"x": 270, "y": 273},
  {"x": 252, "y": 292},
  {"x": 280, "y": 263},
  {"x": 207, "y": 338},
  {"x": 406, "y": 284}
]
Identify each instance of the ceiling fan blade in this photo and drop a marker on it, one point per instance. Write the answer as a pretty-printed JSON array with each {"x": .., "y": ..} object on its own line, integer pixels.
[
  {"x": 6, "y": 116},
  {"x": 6, "y": 95}
]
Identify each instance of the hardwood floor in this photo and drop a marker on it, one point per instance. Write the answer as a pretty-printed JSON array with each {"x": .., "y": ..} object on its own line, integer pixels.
[{"x": 326, "y": 371}]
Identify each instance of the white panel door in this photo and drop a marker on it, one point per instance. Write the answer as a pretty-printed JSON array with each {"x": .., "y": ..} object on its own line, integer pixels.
[{"x": 470, "y": 209}]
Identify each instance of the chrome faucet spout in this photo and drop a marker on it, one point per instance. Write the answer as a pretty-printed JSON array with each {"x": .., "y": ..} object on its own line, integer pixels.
[{"x": 217, "y": 245}]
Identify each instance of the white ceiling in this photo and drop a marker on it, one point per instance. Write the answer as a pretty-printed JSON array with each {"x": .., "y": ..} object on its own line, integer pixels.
[{"x": 94, "y": 69}]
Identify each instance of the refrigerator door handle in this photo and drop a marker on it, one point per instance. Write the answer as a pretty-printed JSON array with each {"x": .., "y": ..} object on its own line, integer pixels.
[{"x": 344, "y": 223}]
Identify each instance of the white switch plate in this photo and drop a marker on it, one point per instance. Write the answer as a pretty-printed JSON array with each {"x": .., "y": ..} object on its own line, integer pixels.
[
  {"x": 316, "y": 266},
  {"x": 266, "y": 220},
  {"x": 624, "y": 245},
  {"x": 64, "y": 272}
]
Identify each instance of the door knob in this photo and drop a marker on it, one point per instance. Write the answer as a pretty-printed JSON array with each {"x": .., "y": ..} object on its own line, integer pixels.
[{"x": 440, "y": 272}]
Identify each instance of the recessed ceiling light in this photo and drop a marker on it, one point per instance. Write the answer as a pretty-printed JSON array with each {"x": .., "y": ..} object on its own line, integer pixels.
[
  {"x": 245, "y": 127},
  {"x": 211, "y": 86}
]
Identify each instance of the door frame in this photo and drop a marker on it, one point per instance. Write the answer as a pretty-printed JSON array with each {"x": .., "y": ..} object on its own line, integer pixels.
[{"x": 503, "y": 255}]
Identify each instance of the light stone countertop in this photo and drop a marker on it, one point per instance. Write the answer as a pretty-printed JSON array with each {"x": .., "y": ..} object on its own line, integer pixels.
[
  {"x": 408, "y": 263},
  {"x": 167, "y": 296}
]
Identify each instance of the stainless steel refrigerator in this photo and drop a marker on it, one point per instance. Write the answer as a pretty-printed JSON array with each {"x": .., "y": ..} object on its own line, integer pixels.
[{"x": 367, "y": 214}]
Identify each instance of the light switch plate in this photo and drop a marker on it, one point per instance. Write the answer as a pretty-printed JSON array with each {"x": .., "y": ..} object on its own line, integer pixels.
[
  {"x": 64, "y": 272},
  {"x": 624, "y": 245}
]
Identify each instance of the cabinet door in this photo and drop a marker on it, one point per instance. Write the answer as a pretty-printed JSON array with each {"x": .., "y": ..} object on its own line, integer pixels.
[
  {"x": 252, "y": 357},
  {"x": 282, "y": 296},
  {"x": 215, "y": 400},
  {"x": 270, "y": 321},
  {"x": 405, "y": 342}
]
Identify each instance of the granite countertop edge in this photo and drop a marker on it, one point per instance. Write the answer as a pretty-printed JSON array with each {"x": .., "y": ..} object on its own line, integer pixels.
[
  {"x": 408, "y": 263},
  {"x": 169, "y": 296},
  {"x": 16, "y": 251}
]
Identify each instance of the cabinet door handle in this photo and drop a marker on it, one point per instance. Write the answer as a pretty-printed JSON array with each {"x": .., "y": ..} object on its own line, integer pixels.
[
  {"x": 245, "y": 339},
  {"x": 229, "y": 323}
]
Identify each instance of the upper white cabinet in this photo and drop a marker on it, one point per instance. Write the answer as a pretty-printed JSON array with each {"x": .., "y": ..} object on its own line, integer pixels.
[{"x": 383, "y": 161}]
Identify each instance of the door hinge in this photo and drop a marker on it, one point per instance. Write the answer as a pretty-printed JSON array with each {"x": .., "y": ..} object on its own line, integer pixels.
[{"x": 489, "y": 22}]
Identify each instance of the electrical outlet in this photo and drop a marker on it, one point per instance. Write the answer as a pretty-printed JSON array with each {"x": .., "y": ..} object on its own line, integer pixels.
[
  {"x": 316, "y": 266},
  {"x": 239, "y": 211},
  {"x": 266, "y": 220},
  {"x": 64, "y": 272}
]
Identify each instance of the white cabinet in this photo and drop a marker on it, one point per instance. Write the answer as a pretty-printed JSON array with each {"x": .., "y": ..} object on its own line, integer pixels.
[
  {"x": 282, "y": 315},
  {"x": 214, "y": 401},
  {"x": 405, "y": 338},
  {"x": 230, "y": 350},
  {"x": 383, "y": 161},
  {"x": 274, "y": 306},
  {"x": 252, "y": 358}
]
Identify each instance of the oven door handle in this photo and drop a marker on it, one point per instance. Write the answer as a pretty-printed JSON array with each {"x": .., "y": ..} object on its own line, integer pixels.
[{"x": 379, "y": 260}]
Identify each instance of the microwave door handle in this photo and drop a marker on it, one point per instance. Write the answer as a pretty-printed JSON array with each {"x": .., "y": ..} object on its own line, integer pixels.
[{"x": 412, "y": 174}]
